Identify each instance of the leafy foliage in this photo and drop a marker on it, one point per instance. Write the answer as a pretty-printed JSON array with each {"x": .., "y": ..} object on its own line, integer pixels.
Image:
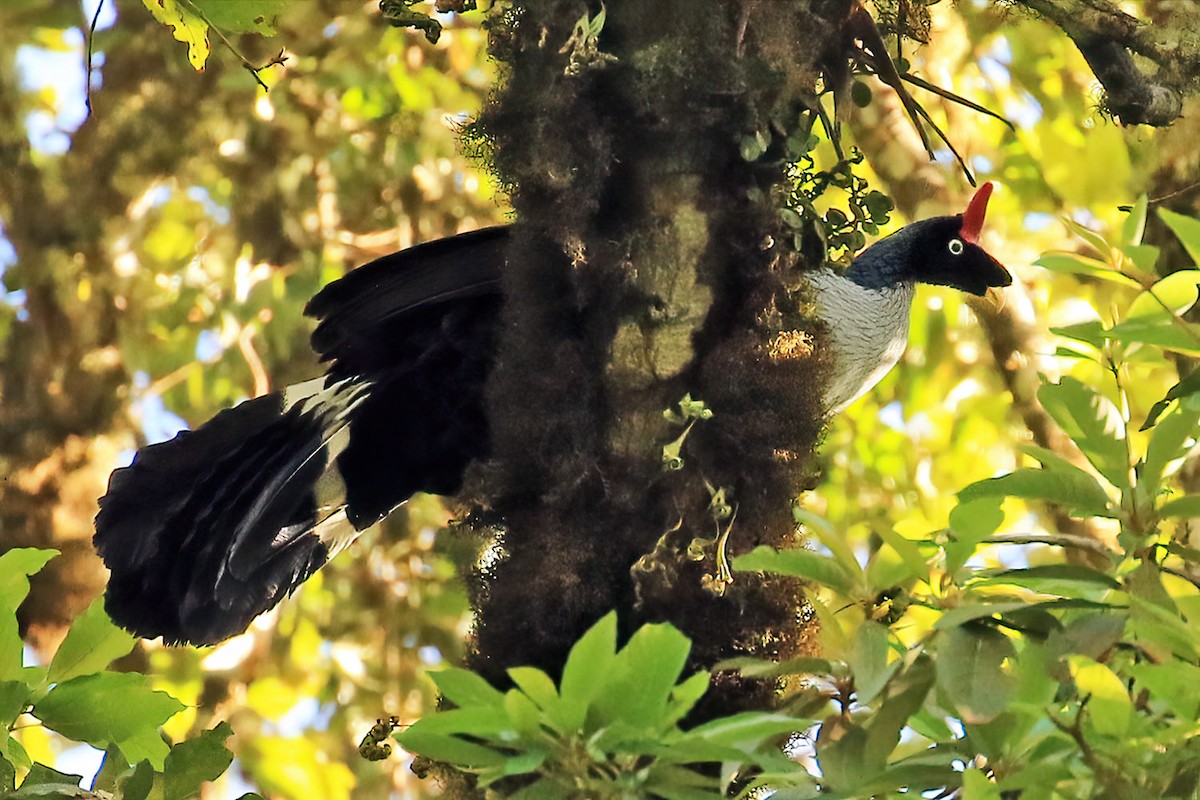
[
  {"x": 78, "y": 697},
  {"x": 1068, "y": 677},
  {"x": 609, "y": 729}
]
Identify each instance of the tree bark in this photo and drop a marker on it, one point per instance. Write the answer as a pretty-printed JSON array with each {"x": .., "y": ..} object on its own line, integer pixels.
[{"x": 645, "y": 269}]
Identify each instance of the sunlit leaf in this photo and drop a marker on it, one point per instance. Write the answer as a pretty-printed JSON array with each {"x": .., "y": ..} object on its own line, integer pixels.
[
  {"x": 1174, "y": 294},
  {"x": 187, "y": 26},
  {"x": 1135, "y": 222},
  {"x": 465, "y": 688},
  {"x": 1073, "y": 489},
  {"x": 1109, "y": 708},
  {"x": 16, "y": 566},
  {"x": 799, "y": 563},
  {"x": 1186, "y": 229},
  {"x": 1093, "y": 423},
  {"x": 586, "y": 669},
  {"x": 92, "y": 643},
  {"x": 971, "y": 523},
  {"x": 1074, "y": 264},
  {"x": 1186, "y": 506},
  {"x": 242, "y": 16},
  {"x": 107, "y": 708},
  {"x": 1172, "y": 438}
]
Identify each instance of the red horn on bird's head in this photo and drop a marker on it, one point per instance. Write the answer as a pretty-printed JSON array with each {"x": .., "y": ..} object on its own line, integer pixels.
[{"x": 972, "y": 222}]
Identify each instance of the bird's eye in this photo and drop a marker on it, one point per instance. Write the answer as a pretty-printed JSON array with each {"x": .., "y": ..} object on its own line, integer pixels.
[{"x": 956, "y": 247}]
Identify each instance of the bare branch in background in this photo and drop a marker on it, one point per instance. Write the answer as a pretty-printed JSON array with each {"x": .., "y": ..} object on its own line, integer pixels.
[{"x": 1109, "y": 39}]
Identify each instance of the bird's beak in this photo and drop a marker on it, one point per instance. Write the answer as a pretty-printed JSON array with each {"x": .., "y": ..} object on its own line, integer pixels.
[{"x": 996, "y": 296}]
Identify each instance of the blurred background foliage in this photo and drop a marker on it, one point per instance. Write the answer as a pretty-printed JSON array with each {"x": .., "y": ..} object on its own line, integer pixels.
[{"x": 156, "y": 259}]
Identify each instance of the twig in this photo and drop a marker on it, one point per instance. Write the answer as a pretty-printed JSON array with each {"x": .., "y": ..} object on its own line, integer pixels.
[
  {"x": 1068, "y": 540},
  {"x": 87, "y": 97},
  {"x": 262, "y": 382},
  {"x": 249, "y": 67}
]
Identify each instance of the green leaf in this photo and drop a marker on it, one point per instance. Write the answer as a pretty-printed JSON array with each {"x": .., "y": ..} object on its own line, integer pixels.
[
  {"x": 1094, "y": 424},
  {"x": 970, "y": 671},
  {"x": 440, "y": 747},
  {"x": 747, "y": 728},
  {"x": 1164, "y": 332},
  {"x": 45, "y": 783},
  {"x": 1095, "y": 240},
  {"x": 92, "y": 643},
  {"x": 1073, "y": 489},
  {"x": 194, "y": 762},
  {"x": 1186, "y": 506},
  {"x": 1172, "y": 438},
  {"x": 519, "y": 764},
  {"x": 1074, "y": 264},
  {"x": 976, "y": 785},
  {"x": 868, "y": 661},
  {"x": 685, "y": 695},
  {"x": 1188, "y": 386},
  {"x": 464, "y": 688},
  {"x": 904, "y": 697},
  {"x": 1174, "y": 682},
  {"x": 645, "y": 672},
  {"x": 1109, "y": 706},
  {"x": 973, "y": 611},
  {"x": 15, "y": 568},
  {"x": 829, "y": 536},
  {"x": 1160, "y": 631},
  {"x": 1186, "y": 229},
  {"x": 799, "y": 563},
  {"x": 110, "y": 708},
  {"x": 1174, "y": 294},
  {"x": 187, "y": 26},
  {"x": 971, "y": 523},
  {"x": 14, "y": 697},
  {"x": 242, "y": 16},
  {"x": 1135, "y": 224},
  {"x": 137, "y": 783},
  {"x": 536, "y": 685},
  {"x": 480, "y": 722},
  {"x": 1044, "y": 577},
  {"x": 588, "y": 666},
  {"x": 8, "y": 776},
  {"x": 1091, "y": 333}
]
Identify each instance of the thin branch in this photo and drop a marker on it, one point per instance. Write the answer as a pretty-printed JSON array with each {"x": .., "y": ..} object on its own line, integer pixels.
[
  {"x": 1068, "y": 540},
  {"x": 246, "y": 63},
  {"x": 87, "y": 98},
  {"x": 1108, "y": 37}
]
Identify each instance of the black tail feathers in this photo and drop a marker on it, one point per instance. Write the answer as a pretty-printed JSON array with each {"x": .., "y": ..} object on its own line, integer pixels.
[{"x": 205, "y": 532}]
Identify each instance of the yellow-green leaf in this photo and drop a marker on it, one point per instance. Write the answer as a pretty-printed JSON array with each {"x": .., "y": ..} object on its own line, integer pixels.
[
  {"x": 188, "y": 27},
  {"x": 1109, "y": 706}
]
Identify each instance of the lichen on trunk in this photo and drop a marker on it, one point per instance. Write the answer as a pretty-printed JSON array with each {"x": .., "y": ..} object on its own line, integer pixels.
[{"x": 646, "y": 266}]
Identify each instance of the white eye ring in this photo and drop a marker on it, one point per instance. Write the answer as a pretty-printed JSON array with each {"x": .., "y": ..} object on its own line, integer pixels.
[{"x": 956, "y": 247}]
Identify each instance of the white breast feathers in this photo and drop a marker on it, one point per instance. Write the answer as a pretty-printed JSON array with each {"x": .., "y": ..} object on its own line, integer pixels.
[{"x": 868, "y": 330}]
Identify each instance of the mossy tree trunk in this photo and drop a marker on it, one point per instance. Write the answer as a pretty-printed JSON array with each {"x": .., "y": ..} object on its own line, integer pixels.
[{"x": 650, "y": 264}]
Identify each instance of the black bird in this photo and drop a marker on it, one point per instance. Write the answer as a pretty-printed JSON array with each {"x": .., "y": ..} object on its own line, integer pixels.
[{"x": 206, "y": 531}]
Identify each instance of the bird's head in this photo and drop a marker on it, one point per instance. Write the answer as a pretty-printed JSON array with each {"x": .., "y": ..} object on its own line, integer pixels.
[{"x": 944, "y": 251}]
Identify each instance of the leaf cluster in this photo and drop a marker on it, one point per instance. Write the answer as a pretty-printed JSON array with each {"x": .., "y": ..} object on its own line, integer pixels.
[
  {"x": 610, "y": 728},
  {"x": 78, "y": 697},
  {"x": 841, "y": 232}
]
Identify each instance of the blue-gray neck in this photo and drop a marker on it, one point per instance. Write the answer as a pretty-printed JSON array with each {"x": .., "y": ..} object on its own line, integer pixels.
[{"x": 887, "y": 262}]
